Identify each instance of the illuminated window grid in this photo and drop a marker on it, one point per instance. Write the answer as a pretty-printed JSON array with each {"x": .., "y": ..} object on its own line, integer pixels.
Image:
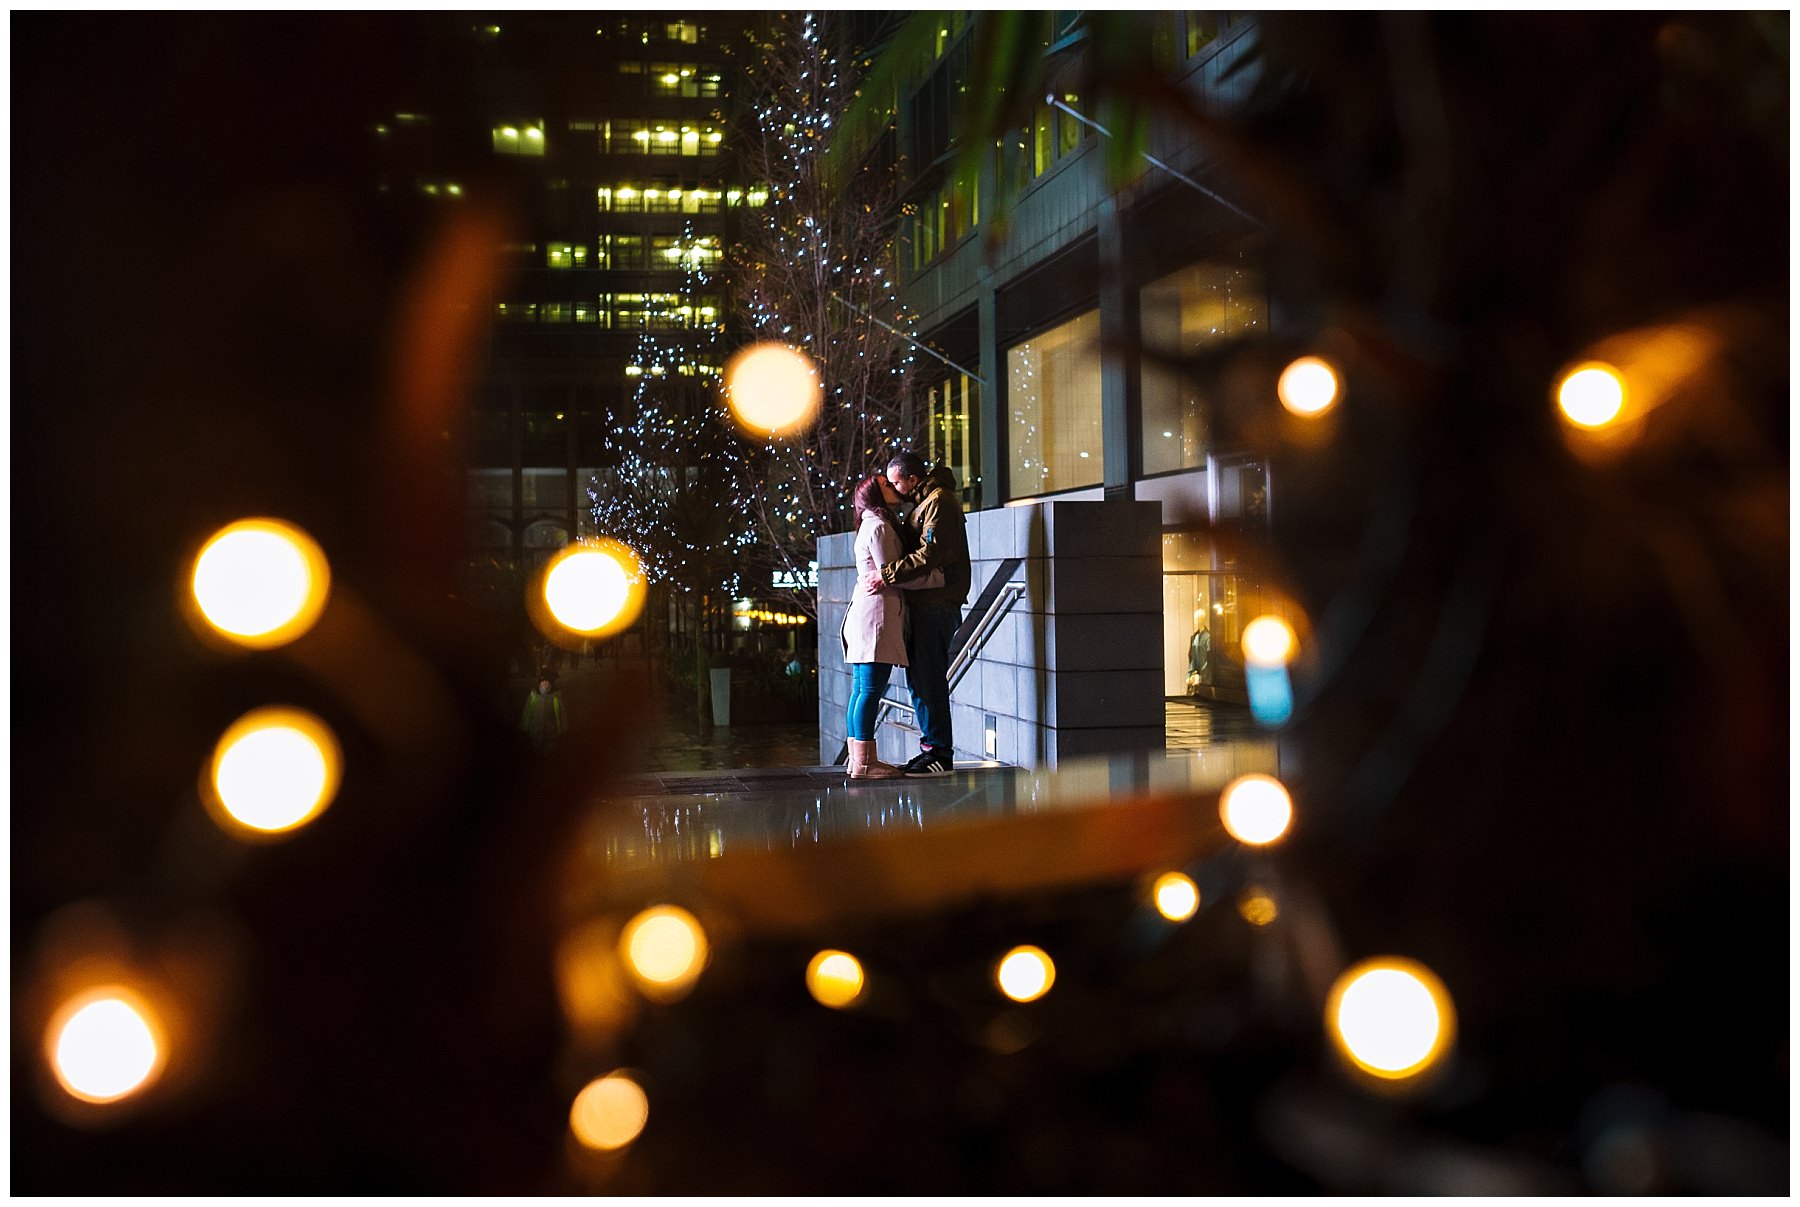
[
  {"x": 654, "y": 199},
  {"x": 660, "y": 138},
  {"x": 521, "y": 138}
]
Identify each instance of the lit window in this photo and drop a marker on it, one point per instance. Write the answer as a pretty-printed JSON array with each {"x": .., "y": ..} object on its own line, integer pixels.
[
  {"x": 519, "y": 139},
  {"x": 1186, "y": 313},
  {"x": 1053, "y": 392},
  {"x": 566, "y": 255},
  {"x": 683, "y": 31}
]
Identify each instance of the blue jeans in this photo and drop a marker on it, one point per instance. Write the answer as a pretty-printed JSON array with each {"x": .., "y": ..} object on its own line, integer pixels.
[
  {"x": 928, "y": 635},
  {"x": 868, "y": 683}
]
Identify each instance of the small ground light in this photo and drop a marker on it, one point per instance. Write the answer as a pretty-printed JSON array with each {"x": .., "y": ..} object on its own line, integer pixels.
[
  {"x": 103, "y": 1046},
  {"x": 1025, "y": 974},
  {"x": 1269, "y": 641},
  {"x": 609, "y": 1113},
  {"x": 1308, "y": 387},
  {"x": 1256, "y": 809},
  {"x": 261, "y": 582},
  {"x": 595, "y": 588},
  {"x": 834, "y": 978},
  {"x": 665, "y": 949},
  {"x": 274, "y": 770},
  {"x": 1176, "y": 896},
  {"x": 1391, "y": 1017},
  {"x": 1591, "y": 395},
  {"x": 773, "y": 390}
]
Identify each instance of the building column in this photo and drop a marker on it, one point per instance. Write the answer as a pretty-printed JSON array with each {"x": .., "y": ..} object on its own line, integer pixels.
[
  {"x": 993, "y": 436},
  {"x": 1119, "y": 420}
]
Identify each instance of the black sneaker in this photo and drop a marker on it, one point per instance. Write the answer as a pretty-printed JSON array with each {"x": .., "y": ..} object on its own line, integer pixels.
[{"x": 929, "y": 763}]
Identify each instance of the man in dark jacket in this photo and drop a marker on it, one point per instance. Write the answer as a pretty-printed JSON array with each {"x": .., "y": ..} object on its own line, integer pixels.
[{"x": 933, "y": 614}]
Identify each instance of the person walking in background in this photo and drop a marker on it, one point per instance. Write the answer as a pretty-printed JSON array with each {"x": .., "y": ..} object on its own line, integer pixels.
[
  {"x": 543, "y": 721},
  {"x": 874, "y": 625},
  {"x": 934, "y": 612}
]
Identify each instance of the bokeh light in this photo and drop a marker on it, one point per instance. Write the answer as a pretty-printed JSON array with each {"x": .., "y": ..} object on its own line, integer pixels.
[
  {"x": 261, "y": 582},
  {"x": 834, "y": 978},
  {"x": 1308, "y": 387},
  {"x": 1269, "y": 641},
  {"x": 1257, "y": 907},
  {"x": 665, "y": 949},
  {"x": 1176, "y": 896},
  {"x": 103, "y": 1046},
  {"x": 773, "y": 390},
  {"x": 274, "y": 770},
  {"x": 1391, "y": 1017},
  {"x": 609, "y": 1113},
  {"x": 594, "y": 588},
  {"x": 1256, "y": 809},
  {"x": 1591, "y": 395},
  {"x": 1025, "y": 974}
]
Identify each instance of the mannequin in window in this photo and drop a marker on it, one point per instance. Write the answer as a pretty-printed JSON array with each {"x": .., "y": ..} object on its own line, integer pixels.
[{"x": 1199, "y": 670}]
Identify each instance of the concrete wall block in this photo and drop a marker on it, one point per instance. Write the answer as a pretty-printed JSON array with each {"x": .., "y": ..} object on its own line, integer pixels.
[
  {"x": 966, "y": 730},
  {"x": 1105, "y": 584},
  {"x": 837, "y": 550},
  {"x": 1030, "y": 530},
  {"x": 980, "y": 572},
  {"x": 1031, "y": 693},
  {"x": 1109, "y": 529},
  {"x": 1081, "y": 743},
  {"x": 999, "y": 686},
  {"x": 831, "y": 644},
  {"x": 998, "y": 540},
  {"x": 1107, "y": 699},
  {"x": 836, "y": 585},
  {"x": 1032, "y": 634},
  {"x": 834, "y": 691},
  {"x": 1125, "y": 641},
  {"x": 1037, "y": 586}
]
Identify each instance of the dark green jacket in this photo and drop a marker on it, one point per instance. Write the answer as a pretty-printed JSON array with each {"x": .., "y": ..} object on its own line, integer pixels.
[{"x": 943, "y": 544}]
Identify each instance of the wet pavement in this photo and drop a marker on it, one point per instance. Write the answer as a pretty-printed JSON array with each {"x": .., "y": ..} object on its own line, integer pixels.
[{"x": 691, "y": 794}]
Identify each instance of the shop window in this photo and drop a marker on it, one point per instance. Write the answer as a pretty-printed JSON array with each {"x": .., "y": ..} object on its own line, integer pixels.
[
  {"x": 1206, "y": 605},
  {"x": 1183, "y": 314},
  {"x": 1053, "y": 399}
]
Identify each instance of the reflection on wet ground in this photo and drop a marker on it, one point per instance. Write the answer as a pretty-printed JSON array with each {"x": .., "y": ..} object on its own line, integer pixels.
[
  {"x": 659, "y": 820},
  {"x": 690, "y": 795}
]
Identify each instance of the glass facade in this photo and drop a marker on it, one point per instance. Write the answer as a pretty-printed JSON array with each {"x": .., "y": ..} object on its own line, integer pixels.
[
  {"x": 1182, "y": 314},
  {"x": 953, "y": 434},
  {"x": 1206, "y": 605},
  {"x": 1053, "y": 402}
]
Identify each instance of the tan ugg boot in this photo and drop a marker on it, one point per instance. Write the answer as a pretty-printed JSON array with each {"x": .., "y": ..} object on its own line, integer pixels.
[{"x": 865, "y": 766}]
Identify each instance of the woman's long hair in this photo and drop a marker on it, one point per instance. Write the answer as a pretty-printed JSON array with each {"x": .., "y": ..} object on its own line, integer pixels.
[{"x": 868, "y": 497}]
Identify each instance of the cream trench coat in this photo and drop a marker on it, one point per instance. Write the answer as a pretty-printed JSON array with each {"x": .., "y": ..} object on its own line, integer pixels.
[{"x": 872, "y": 624}]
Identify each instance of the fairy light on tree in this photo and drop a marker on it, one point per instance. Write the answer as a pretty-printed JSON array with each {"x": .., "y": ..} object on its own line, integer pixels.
[
  {"x": 675, "y": 473},
  {"x": 812, "y": 265}
]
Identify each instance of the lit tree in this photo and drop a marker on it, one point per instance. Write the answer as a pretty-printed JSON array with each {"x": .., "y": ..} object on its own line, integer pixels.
[
  {"x": 676, "y": 472},
  {"x": 816, "y": 271}
]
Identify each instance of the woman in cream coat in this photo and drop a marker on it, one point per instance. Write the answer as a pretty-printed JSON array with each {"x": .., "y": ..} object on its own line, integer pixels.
[{"x": 874, "y": 643}]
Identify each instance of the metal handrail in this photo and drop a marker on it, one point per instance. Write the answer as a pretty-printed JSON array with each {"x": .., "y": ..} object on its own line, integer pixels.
[{"x": 967, "y": 656}]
